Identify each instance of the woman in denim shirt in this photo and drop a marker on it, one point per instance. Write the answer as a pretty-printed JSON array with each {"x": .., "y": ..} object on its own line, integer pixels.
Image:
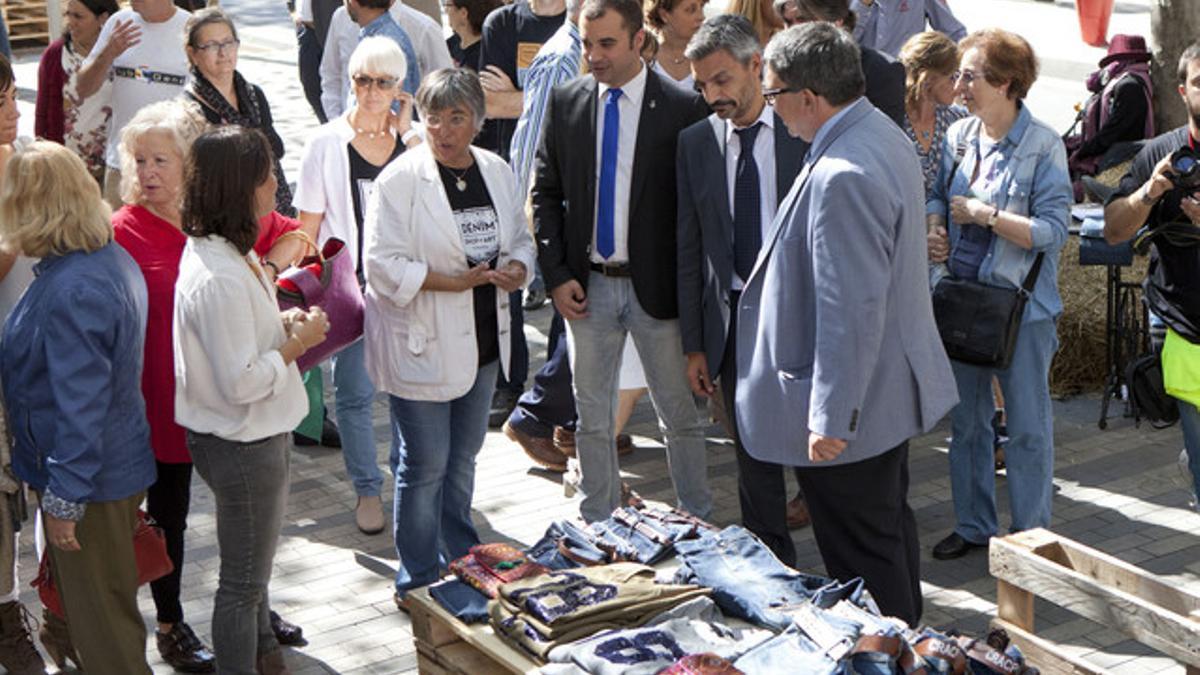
[
  {"x": 71, "y": 364},
  {"x": 1003, "y": 189}
]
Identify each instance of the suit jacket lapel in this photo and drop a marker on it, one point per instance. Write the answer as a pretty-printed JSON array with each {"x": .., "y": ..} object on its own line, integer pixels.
[
  {"x": 784, "y": 214},
  {"x": 647, "y": 124}
]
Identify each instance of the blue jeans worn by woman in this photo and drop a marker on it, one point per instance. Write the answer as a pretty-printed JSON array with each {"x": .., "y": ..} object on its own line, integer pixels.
[
  {"x": 249, "y": 482},
  {"x": 1030, "y": 450},
  {"x": 434, "y": 444},
  {"x": 354, "y": 396}
]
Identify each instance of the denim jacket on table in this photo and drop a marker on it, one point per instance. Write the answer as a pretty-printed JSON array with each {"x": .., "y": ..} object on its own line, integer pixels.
[
  {"x": 1033, "y": 182},
  {"x": 71, "y": 363}
]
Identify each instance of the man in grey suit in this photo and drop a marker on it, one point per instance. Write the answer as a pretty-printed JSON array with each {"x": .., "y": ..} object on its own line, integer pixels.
[
  {"x": 838, "y": 358},
  {"x": 732, "y": 168}
]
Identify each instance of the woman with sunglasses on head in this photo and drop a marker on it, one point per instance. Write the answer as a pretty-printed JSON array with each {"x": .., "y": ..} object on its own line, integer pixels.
[
  {"x": 337, "y": 176},
  {"x": 1001, "y": 199}
]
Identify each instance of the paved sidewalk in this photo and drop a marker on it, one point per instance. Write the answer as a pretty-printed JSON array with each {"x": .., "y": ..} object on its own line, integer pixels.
[{"x": 1120, "y": 490}]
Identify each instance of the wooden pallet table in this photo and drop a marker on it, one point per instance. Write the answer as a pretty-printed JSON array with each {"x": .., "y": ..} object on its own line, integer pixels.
[
  {"x": 1093, "y": 585},
  {"x": 28, "y": 21},
  {"x": 447, "y": 646}
]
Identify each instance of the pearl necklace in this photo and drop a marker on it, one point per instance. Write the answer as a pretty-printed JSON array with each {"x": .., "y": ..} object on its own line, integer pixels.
[{"x": 372, "y": 135}]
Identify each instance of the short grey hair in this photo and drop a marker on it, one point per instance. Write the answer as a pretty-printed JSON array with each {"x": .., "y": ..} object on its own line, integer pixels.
[
  {"x": 450, "y": 88},
  {"x": 378, "y": 55},
  {"x": 179, "y": 118},
  {"x": 732, "y": 33},
  {"x": 820, "y": 57}
]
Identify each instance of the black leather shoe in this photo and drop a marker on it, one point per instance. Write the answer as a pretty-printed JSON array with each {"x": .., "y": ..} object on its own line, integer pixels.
[
  {"x": 287, "y": 633},
  {"x": 330, "y": 437},
  {"x": 954, "y": 546},
  {"x": 503, "y": 402},
  {"x": 302, "y": 440},
  {"x": 183, "y": 651}
]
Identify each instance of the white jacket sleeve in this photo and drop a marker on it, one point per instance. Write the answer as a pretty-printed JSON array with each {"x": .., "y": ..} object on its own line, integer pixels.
[{"x": 391, "y": 271}]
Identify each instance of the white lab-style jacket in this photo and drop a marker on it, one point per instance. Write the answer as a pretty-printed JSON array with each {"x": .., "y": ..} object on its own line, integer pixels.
[{"x": 420, "y": 345}]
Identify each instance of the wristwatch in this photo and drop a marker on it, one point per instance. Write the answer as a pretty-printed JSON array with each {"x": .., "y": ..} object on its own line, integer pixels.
[
  {"x": 991, "y": 220},
  {"x": 1145, "y": 197}
]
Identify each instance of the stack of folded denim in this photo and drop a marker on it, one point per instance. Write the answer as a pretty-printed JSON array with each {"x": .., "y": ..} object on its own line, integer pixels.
[
  {"x": 543, "y": 612},
  {"x": 694, "y": 627},
  {"x": 750, "y": 583},
  {"x": 644, "y": 534}
]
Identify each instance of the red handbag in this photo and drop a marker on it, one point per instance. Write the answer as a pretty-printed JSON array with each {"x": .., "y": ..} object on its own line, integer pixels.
[{"x": 149, "y": 550}]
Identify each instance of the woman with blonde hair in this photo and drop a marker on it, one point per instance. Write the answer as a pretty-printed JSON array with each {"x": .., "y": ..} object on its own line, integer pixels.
[
  {"x": 929, "y": 59},
  {"x": 71, "y": 364},
  {"x": 762, "y": 15},
  {"x": 673, "y": 23}
]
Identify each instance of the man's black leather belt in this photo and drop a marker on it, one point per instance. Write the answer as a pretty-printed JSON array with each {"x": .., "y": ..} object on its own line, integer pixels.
[{"x": 617, "y": 270}]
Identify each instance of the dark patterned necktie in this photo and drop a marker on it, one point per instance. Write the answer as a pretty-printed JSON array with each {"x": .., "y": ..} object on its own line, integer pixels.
[{"x": 747, "y": 206}]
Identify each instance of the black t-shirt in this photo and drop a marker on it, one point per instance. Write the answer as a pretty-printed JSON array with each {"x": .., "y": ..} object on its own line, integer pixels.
[
  {"x": 465, "y": 58},
  {"x": 1173, "y": 279},
  {"x": 512, "y": 36},
  {"x": 479, "y": 230},
  {"x": 362, "y": 185}
]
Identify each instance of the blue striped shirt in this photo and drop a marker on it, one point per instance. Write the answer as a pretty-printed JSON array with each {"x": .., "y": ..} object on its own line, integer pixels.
[{"x": 556, "y": 62}]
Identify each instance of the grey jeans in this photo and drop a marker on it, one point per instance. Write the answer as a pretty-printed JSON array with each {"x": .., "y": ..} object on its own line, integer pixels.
[
  {"x": 250, "y": 484},
  {"x": 613, "y": 311}
]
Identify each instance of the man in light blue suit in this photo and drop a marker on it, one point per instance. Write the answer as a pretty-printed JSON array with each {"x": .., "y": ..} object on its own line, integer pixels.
[{"x": 839, "y": 361}]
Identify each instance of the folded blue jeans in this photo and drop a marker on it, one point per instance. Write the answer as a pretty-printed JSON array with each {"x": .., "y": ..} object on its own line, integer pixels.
[
  {"x": 749, "y": 582},
  {"x": 462, "y": 600}
]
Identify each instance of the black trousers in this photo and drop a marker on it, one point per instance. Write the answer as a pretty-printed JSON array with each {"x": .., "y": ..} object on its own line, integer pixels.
[
  {"x": 309, "y": 63},
  {"x": 864, "y": 527},
  {"x": 168, "y": 501},
  {"x": 550, "y": 402},
  {"x": 762, "y": 492}
]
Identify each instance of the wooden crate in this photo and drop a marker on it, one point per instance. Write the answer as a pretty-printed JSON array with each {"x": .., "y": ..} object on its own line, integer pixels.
[
  {"x": 447, "y": 646},
  {"x": 28, "y": 22},
  {"x": 1093, "y": 585}
]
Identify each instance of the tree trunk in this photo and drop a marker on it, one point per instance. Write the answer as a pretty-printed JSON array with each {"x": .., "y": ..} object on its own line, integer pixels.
[{"x": 1175, "y": 25}]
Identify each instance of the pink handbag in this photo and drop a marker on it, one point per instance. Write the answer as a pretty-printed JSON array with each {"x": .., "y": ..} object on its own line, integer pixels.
[{"x": 326, "y": 280}]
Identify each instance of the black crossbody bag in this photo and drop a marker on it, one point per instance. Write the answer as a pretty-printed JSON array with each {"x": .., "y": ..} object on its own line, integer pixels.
[{"x": 979, "y": 323}]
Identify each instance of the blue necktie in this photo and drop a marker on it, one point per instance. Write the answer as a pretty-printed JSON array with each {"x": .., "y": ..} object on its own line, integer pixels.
[
  {"x": 605, "y": 243},
  {"x": 747, "y": 207}
]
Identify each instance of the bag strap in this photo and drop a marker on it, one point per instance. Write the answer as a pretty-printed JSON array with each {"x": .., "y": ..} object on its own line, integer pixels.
[
  {"x": 1031, "y": 278},
  {"x": 303, "y": 236}
]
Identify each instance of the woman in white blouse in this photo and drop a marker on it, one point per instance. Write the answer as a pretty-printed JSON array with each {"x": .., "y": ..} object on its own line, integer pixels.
[
  {"x": 446, "y": 241},
  {"x": 237, "y": 388}
]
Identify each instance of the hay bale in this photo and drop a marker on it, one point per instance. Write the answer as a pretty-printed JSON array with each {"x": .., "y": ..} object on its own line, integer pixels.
[{"x": 1080, "y": 364}]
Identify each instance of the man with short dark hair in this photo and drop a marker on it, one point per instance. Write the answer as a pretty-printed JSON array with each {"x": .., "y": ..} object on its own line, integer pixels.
[
  {"x": 604, "y": 208},
  {"x": 1152, "y": 193},
  {"x": 734, "y": 167},
  {"x": 839, "y": 361}
]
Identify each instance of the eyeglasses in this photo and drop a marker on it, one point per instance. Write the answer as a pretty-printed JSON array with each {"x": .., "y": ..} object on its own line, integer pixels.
[
  {"x": 454, "y": 119},
  {"x": 219, "y": 48},
  {"x": 772, "y": 94},
  {"x": 381, "y": 83},
  {"x": 966, "y": 76}
]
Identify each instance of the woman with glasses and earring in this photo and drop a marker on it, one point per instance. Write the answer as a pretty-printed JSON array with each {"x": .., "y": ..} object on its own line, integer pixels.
[
  {"x": 446, "y": 243},
  {"x": 337, "y": 177}
]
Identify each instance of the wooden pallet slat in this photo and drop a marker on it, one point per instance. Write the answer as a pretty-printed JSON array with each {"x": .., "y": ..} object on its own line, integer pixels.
[{"x": 1093, "y": 585}]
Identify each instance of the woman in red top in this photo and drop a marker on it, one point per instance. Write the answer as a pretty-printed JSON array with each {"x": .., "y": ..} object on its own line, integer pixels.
[{"x": 153, "y": 149}]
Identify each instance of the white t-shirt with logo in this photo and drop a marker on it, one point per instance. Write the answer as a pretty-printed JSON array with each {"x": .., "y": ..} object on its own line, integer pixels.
[{"x": 155, "y": 69}]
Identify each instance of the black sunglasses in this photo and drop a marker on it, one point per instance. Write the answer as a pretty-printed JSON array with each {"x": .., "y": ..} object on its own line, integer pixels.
[{"x": 383, "y": 83}]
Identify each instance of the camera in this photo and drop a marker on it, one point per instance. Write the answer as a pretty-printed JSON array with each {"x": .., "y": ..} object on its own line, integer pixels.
[{"x": 1185, "y": 168}]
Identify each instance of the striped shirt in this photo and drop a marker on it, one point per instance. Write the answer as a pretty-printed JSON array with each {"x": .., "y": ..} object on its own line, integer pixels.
[{"x": 556, "y": 62}]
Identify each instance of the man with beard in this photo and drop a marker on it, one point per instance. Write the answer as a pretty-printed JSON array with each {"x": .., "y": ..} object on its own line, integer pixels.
[
  {"x": 1149, "y": 194},
  {"x": 745, "y": 152}
]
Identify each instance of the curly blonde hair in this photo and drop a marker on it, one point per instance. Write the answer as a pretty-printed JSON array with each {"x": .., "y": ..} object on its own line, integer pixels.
[
  {"x": 923, "y": 54},
  {"x": 50, "y": 204},
  {"x": 180, "y": 119}
]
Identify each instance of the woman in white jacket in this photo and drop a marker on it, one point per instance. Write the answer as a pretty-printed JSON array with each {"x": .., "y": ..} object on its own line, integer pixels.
[{"x": 446, "y": 241}]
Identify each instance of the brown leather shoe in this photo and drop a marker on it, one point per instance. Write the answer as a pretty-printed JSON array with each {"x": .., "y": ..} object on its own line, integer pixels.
[
  {"x": 564, "y": 440},
  {"x": 797, "y": 514},
  {"x": 56, "y": 640},
  {"x": 183, "y": 651},
  {"x": 540, "y": 450},
  {"x": 17, "y": 653}
]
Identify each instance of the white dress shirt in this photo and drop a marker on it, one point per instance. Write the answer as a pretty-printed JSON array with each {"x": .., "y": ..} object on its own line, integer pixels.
[
  {"x": 630, "y": 108},
  {"x": 427, "y": 41},
  {"x": 764, "y": 158},
  {"x": 230, "y": 378}
]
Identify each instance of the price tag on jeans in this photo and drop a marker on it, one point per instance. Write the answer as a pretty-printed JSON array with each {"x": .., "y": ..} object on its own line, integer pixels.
[{"x": 833, "y": 642}]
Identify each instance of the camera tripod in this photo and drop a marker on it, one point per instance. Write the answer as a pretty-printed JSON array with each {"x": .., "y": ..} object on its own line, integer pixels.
[{"x": 1126, "y": 335}]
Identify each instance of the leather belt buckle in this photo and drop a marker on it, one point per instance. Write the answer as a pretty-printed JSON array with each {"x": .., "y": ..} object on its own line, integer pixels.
[{"x": 613, "y": 271}]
